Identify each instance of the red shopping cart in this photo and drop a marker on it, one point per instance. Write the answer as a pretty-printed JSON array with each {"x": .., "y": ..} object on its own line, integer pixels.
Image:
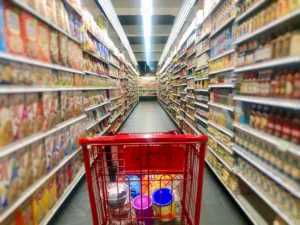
[{"x": 145, "y": 178}]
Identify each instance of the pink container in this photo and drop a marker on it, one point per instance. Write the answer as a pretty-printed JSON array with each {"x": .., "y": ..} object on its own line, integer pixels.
[{"x": 143, "y": 209}]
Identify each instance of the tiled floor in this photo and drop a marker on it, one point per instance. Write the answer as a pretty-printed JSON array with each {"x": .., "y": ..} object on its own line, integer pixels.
[{"x": 217, "y": 207}]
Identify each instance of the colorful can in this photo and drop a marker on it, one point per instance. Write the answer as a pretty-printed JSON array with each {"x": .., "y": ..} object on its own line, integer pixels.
[{"x": 163, "y": 204}]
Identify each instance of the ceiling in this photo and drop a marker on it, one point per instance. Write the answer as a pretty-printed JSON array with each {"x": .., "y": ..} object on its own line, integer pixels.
[{"x": 129, "y": 13}]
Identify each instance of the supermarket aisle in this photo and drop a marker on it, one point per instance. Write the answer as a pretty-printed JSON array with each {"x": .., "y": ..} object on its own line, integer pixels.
[{"x": 217, "y": 207}]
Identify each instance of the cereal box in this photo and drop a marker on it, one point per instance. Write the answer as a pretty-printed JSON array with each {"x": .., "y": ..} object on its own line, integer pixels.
[
  {"x": 60, "y": 14},
  {"x": 38, "y": 160},
  {"x": 51, "y": 152},
  {"x": 51, "y": 192},
  {"x": 47, "y": 107},
  {"x": 6, "y": 130},
  {"x": 14, "y": 41},
  {"x": 63, "y": 49},
  {"x": 20, "y": 122},
  {"x": 29, "y": 30},
  {"x": 35, "y": 116},
  {"x": 43, "y": 42},
  {"x": 10, "y": 182},
  {"x": 54, "y": 50},
  {"x": 51, "y": 11},
  {"x": 42, "y": 7},
  {"x": 25, "y": 172},
  {"x": 39, "y": 206},
  {"x": 2, "y": 29}
]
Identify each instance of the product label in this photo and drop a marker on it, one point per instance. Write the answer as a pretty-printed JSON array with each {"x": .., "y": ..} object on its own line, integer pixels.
[{"x": 13, "y": 23}]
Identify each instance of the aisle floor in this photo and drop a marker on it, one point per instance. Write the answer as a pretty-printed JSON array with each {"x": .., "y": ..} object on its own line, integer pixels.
[{"x": 217, "y": 207}]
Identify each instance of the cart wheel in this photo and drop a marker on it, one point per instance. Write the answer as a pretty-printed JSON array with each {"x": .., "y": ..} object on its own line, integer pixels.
[{"x": 173, "y": 132}]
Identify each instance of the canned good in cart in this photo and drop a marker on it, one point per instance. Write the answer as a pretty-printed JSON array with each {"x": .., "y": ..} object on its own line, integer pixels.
[{"x": 145, "y": 178}]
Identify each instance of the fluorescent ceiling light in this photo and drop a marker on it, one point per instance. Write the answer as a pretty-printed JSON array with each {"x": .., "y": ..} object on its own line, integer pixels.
[
  {"x": 111, "y": 14},
  {"x": 147, "y": 13},
  {"x": 180, "y": 19}
]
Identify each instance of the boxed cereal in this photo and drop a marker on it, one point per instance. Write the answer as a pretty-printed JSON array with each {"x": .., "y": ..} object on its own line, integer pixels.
[
  {"x": 54, "y": 54},
  {"x": 39, "y": 206},
  {"x": 14, "y": 41},
  {"x": 29, "y": 31},
  {"x": 2, "y": 29},
  {"x": 42, "y": 8},
  {"x": 43, "y": 42},
  {"x": 20, "y": 121},
  {"x": 51, "y": 192},
  {"x": 6, "y": 128},
  {"x": 24, "y": 158},
  {"x": 63, "y": 49},
  {"x": 35, "y": 112},
  {"x": 51, "y": 11},
  {"x": 38, "y": 159},
  {"x": 51, "y": 152},
  {"x": 60, "y": 14},
  {"x": 10, "y": 181}
]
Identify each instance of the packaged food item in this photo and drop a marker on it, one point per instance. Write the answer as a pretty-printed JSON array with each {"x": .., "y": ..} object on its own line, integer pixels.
[
  {"x": 24, "y": 214},
  {"x": 39, "y": 207},
  {"x": 29, "y": 30},
  {"x": 60, "y": 183},
  {"x": 6, "y": 126},
  {"x": 51, "y": 152},
  {"x": 51, "y": 11},
  {"x": 42, "y": 7},
  {"x": 63, "y": 49},
  {"x": 11, "y": 220},
  {"x": 54, "y": 53},
  {"x": 33, "y": 4},
  {"x": 43, "y": 42},
  {"x": 14, "y": 41},
  {"x": 2, "y": 29},
  {"x": 51, "y": 192},
  {"x": 60, "y": 14},
  {"x": 20, "y": 122},
  {"x": 70, "y": 53},
  {"x": 5, "y": 72},
  {"x": 47, "y": 107},
  {"x": 38, "y": 159},
  {"x": 24, "y": 158},
  {"x": 66, "y": 18}
]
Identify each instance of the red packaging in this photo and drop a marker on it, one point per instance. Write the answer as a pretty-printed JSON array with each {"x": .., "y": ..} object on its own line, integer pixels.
[
  {"x": 43, "y": 42},
  {"x": 29, "y": 31}
]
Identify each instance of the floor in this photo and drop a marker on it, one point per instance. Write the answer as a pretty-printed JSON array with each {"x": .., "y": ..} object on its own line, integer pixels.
[{"x": 217, "y": 207}]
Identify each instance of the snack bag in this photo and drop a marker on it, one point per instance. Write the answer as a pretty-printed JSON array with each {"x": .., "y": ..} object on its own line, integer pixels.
[
  {"x": 10, "y": 182},
  {"x": 70, "y": 53},
  {"x": 42, "y": 8},
  {"x": 14, "y": 41},
  {"x": 43, "y": 42},
  {"x": 47, "y": 106},
  {"x": 24, "y": 214},
  {"x": 51, "y": 192},
  {"x": 39, "y": 206},
  {"x": 2, "y": 29},
  {"x": 60, "y": 14},
  {"x": 29, "y": 30},
  {"x": 24, "y": 158},
  {"x": 38, "y": 160},
  {"x": 54, "y": 52},
  {"x": 5, "y": 71},
  {"x": 63, "y": 49},
  {"x": 6, "y": 128},
  {"x": 35, "y": 112},
  {"x": 51, "y": 153}
]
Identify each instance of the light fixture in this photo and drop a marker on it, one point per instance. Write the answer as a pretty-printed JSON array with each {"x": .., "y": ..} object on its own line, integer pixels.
[
  {"x": 111, "y": 14},
  {"x": 147, "y": 13},
  {"x": 180, "y": 19}
]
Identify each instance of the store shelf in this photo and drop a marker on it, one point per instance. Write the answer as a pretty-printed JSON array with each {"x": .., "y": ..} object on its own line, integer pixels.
[
  {"x": 202, "y": 52},
  {"x": 201, "y": 90},
  {"x": 114, "y": 65},
  {"x": 190, "y": 88},
  {"x": 175, "y": 102},
  {"x": 229, "y": 22},
  {"x": 62, "y": 199},
  {"x": 104, "y": 131},
  {"x": 96, "y": 106},
  {"x": 280, "y": 178},
  {"x": 202, "y": 78},
  {"x": 223, "y": 129},
  {"x": 201, "y": 119},
  {"x": 179, "y": 85},
  {"x": 112, "y": 109},
  {"x": 249, "y": 11},
  {"x": 273, "y": 205},
  {"x": 191, "y": 67},
  {"x": 223, "y": 145},
  {"x": 221, "y": 71},
  {"x": 221, "y": 159},
  {"x": 95, "y": 56},
  {"x": 189, "y": 78},
  {"x": 229, "y": 108},
  {"x": 191, "y": 107},
  {"x": 113, "y": 120},
  {"x": 278, "y": 142},
  {"x": 176, "y": 95},
  {"x": 192, "y": 53},
  {"x": 72, "y": 7},
  {"x": 201, "y": 104},
  {"x": 183, "y": 54},
  {"x": 272, "y": 63},
  {"x": 97, "y": 121},
  {"x": 203, "y": 37},
  {"x": 35, "y": 186},
  {"x": 278, "y": 102},
  {"x": 170, "y": 115},
  {"x": 190, "y": 116},
  {"x": 129, "y": 111},
  {"x": 191, "y": 126},
  {"x": 27, "y": 8},
  {"x": 243, "y": 202},
  {"x": 10, "y": 148},
  {"x": 221, "y": 86},
  {"x": 95, "y": 74},
  {"x": 25, "y": 60},
  {"x": 222, "y": 55},
  {"x": 112, "y": 99},
  {"x": 188, "y": 96},
  {"x": 201, "y": 67}
]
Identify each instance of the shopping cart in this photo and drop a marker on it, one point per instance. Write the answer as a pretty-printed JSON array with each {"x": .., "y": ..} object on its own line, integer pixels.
[{"x": 145, "y": 178}]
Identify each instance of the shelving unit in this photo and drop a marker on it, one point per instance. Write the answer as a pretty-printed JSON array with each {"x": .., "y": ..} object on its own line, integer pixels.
[
  {"x": 228, "y": 113},
  {"x": 83, "y": 99}
]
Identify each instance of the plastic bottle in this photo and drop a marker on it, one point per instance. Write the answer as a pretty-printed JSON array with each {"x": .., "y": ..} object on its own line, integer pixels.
[
  {"x": 278, "y": 123},
  {"x": 295, "y": 132},
  {"x": 287, "y": 125},
  {"x": 296, "y": 92},
  {"x": 289, "y": 86},
  {"x": 282, "y": 83}
]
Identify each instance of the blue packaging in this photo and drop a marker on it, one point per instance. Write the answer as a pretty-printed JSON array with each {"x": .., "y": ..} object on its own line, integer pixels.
[{"x": 2, "y": 29}]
